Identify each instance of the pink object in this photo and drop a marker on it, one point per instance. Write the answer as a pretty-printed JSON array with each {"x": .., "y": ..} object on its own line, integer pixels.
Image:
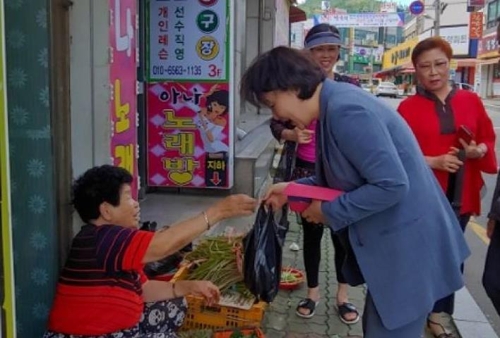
[
  {"x": 307, "y": 152},
  {"x": 300, "y": 195}
]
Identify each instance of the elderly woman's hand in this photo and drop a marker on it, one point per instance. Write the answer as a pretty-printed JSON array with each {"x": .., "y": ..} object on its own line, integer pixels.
[
  {"x": 232, "y": 206},
  {"x": 202, "y": 288}
]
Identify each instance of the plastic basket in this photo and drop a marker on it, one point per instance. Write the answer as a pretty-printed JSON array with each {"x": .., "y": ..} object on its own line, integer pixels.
[
  {"x": 201, "y": 316},
  {"x": 227, "y": 333}
]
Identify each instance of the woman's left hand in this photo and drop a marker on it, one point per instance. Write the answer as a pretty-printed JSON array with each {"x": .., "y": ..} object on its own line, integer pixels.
[
  {"x": 205, "y": 289},
  {"x": 313, "y": 213},
  {"x": 472, "y": 150}
]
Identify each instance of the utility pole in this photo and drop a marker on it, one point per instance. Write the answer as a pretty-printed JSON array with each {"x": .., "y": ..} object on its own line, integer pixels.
[{"x": 437, "y": 16}]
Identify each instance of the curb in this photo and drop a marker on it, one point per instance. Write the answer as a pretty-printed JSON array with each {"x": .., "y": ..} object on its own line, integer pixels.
[
  {"x": 491, "y": 105},
  {"x": 468, "y": 318}
]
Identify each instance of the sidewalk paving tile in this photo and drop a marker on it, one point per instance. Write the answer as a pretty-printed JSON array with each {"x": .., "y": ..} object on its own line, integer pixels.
[{"x": 280, "y": 320}]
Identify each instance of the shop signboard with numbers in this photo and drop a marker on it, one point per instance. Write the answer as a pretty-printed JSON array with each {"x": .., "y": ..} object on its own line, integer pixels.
[
  {"x": 189, "y": 135},
  {"x": 188, "y": 40},
  {"x": 123, "y": 77}
]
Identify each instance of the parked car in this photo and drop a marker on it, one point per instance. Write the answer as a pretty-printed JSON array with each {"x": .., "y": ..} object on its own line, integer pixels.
[
  {"x": 464, "y": 86},
  {"x": 387, "y": 89},
  {"x": 366, "y": 87}
]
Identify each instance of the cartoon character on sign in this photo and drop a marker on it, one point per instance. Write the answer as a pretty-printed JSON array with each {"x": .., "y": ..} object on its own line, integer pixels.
[{"x": 211, "y": 120}]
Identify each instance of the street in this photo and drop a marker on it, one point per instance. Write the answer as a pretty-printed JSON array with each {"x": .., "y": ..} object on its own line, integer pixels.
[{"x": 476, "y": 233}]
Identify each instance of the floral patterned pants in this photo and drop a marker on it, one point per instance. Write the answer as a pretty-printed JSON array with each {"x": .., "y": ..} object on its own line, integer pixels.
[{"x": 159, "y": 320}]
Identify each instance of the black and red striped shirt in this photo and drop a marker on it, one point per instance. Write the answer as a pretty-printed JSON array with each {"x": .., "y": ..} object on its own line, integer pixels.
[{"x": 100, "y": 288}]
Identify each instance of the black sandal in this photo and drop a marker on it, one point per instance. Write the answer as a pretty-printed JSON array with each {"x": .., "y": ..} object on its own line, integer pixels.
[
  {"x": 309, "y": 304},
  {"x": 346, "y": 308}
]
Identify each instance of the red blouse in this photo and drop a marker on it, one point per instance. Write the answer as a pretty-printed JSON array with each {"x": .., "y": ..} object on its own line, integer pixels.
[{"x": 468, "y": 110}]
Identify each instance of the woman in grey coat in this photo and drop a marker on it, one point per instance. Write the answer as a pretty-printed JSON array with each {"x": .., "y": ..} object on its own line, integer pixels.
[{"x": 402, "y": 237}]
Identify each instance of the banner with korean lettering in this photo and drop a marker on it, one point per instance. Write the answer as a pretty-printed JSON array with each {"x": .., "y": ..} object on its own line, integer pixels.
[
  {"x": 488, "y": 46},
  {"x": 189, "y": 135},
  {"x": 362, "y": 19},
  {"x": 123, "y": 79},
  {"x": 476, "y": 25},
  {"x": 188, "y": 40},
  {"x": 475, "y": 3}
]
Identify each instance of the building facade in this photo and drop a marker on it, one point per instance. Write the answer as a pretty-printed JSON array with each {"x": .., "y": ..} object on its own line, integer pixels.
[
  {"x": 454, "y": 27},
  {"x": 488, "y": 76}
]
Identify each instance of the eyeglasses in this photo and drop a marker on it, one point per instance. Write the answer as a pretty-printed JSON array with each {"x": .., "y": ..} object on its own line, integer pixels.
[{"x": 438, "y": 66}]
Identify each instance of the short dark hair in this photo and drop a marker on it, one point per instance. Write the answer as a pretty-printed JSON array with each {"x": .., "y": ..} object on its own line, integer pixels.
[
  {"x": 219, "y": 96},
  {"x": 281, "y": 69},
  {"x": 96, "y": 186},
  {"x": 434, "y": 42}
]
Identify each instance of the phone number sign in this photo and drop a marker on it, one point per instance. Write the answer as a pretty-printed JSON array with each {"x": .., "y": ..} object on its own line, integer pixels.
[{"x": 188, "y": 40}]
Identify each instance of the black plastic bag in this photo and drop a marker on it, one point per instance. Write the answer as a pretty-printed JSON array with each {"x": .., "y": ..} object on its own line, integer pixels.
[{"x": 263, "y": 253}]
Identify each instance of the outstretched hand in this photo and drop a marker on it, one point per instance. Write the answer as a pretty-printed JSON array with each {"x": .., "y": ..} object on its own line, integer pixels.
[{"x": 275, "y": 196}]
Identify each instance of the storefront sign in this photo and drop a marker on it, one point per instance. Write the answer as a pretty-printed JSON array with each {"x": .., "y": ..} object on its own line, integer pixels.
[
  {"x": 188, "y": 40},
  {"x": 363, "y": 19},
  {"x": 458, "y": 37},
  {"x": 388, "y": 7},
  {"x": 475, "y": 3},
  {"x": 399, "y": 55},
  {"x": 476, "y": 25},
  {"x": 123, "y": 78},
  {"x": 189, "y": 135},
  {"x": 488, "y": 47}
]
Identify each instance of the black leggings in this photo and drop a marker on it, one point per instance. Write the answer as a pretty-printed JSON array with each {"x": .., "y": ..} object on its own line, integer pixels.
[{"x": 312, "y": 252}]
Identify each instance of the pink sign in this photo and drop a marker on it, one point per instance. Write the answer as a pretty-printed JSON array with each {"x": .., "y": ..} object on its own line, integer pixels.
[
  {"x": 123, "y": 68},
  {"x": 188, "y": 135}
]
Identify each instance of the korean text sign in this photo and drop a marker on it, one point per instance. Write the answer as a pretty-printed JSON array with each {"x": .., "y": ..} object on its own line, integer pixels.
[
  {"x": 476, "y": 25},
  {"x": 123, "y": 77},
  {"x": 188, "y": 40},
  {"x": 488, "y": 46},
  {"x": 189, "y": 135}
]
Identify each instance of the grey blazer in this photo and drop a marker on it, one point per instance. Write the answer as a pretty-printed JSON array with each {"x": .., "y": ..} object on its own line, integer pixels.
[{"x": 404, "y": 233}]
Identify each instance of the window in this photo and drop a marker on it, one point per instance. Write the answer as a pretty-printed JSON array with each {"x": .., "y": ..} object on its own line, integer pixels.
[{"x": 493, "y": 8}]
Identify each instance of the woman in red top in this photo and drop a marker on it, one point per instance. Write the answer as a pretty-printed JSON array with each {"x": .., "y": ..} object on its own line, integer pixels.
[{"x": 456, "y": 136}]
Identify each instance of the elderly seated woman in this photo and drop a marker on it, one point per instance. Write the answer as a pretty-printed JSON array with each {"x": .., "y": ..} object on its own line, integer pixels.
[{"x": 102, "y": 291}]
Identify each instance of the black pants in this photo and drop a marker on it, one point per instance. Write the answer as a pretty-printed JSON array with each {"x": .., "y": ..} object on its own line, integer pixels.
[
  {"x": 312, "y": 252},
  {"x": 491, "y": 275},
  {"x": 447, "y": 304}
]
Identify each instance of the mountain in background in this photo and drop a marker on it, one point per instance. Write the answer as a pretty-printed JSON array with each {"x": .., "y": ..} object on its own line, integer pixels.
[{"x": 312, "y": 7}]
